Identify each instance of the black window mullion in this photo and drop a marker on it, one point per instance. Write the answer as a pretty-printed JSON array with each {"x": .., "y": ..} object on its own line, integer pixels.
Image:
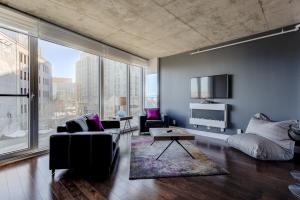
[{"x": 33, "y": 93}]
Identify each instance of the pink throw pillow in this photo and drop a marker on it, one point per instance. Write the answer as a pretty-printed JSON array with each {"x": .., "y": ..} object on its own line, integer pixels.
[
  {"x": 97, "y": 122},
  {"x": 153, "y": 114}
]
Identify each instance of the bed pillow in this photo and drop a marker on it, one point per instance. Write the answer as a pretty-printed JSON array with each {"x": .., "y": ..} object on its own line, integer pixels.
[
  {"x": 275, "y": 131},
  {"x": 259, "y": 147}
]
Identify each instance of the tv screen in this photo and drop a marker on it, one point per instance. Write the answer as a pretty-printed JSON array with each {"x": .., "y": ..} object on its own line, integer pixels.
[{"x": 210, "y": 87}]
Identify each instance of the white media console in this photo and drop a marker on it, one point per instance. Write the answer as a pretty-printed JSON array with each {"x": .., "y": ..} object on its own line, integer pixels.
[{"x": 222, "y": 124}]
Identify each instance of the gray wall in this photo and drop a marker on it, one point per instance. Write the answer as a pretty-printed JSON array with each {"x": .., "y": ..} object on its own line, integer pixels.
[{"x": 265, "y": 78}]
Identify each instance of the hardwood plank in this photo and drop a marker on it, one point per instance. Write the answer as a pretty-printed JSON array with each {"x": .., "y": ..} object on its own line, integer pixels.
[
  {"x": 4, "y": 191},
  {"x": 14, "y": 185},
  {"x": 89, "y": 191},
  {"x": 28, "y": 184}
]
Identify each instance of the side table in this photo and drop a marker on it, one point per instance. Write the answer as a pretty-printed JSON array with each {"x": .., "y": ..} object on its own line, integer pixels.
[{"x": 127, "y": 123}]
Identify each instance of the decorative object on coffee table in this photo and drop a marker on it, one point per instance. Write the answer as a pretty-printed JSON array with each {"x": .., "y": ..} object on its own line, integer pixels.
[
  {"x": 175, "y": 163},
  {"x": 172, "y": 135}
]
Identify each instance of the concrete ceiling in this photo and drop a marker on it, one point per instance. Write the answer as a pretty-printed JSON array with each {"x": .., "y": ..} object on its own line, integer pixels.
[{"x": 158, "y": 28}]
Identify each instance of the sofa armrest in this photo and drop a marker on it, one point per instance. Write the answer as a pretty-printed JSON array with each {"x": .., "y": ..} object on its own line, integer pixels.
[
  {"x": 80, "y": 150},
  {"x": 165, "y": 118},
  {"x": 143, "y": 119},
  {"x": 107, "y": 124}
]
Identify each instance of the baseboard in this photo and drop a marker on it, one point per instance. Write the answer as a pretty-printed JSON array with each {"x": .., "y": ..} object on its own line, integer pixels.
[
  {"x": 207, "y": 134},
  {"x": 24, "y": 156}
]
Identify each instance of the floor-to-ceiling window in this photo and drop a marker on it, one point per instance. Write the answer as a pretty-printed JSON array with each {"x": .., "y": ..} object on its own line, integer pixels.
[
  {"x": 43, "y": 84},
  {"x": 122, "y": 90},
  {"x": 14, "y": 87},
  {"x": 135, "y": 92},
  {"x": 68, "y": 86},
  {"x": 114, "y": 88},
  {"x": 151, "y": 84}
]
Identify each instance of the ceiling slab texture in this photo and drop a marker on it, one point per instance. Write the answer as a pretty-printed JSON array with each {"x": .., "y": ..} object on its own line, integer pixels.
[{"x": 158, "y": 28}]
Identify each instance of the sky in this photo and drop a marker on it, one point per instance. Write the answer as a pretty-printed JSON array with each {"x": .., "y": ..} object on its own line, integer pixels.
[
  {"x": 151, "y": 86},
  {"x": 63, "y": 59}
]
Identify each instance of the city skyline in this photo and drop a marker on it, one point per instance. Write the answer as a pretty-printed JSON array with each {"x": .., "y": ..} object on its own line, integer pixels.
[{"x": 64, "y": 61}]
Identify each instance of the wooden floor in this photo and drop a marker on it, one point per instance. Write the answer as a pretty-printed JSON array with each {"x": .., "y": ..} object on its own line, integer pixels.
[{"x": 249, "y": 179}]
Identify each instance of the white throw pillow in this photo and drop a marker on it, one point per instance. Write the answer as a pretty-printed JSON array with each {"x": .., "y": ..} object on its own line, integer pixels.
[{"x": 277, "y": 132}]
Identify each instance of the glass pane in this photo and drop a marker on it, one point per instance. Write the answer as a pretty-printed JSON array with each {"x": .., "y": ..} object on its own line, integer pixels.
[
  {"x": 68, "y": 86},
  {"x": 136, "y": 106},
  {"x": 13, "y": 124},
  {"x": 115, "y": 88},
  {"x": 13, "y": 110},
  {"x": 151, "y": 92},
  {"x": 13, "y": 62}
]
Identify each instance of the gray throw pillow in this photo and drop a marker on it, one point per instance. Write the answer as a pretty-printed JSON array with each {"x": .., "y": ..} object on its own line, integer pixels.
[{"x": 259, "y": 147}]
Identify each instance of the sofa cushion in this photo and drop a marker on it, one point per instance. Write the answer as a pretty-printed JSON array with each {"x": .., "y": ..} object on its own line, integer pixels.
[
  {"x": 259, "y": 147},
  {"x": 154, "y": 123},
  {"x": 274, "y": 131}
]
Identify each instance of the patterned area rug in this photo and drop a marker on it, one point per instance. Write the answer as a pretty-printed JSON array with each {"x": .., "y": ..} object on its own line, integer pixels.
[{"x": 173, "y": 163}]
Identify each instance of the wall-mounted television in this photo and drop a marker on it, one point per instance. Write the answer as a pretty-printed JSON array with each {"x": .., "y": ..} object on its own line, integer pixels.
[{"x": 210, "y": 87}]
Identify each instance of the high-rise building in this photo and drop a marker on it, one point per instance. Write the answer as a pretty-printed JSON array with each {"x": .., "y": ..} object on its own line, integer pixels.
[
  {"x": 45, "y": 91},
  {"x": 13, "y": 57},
  {"x": 64, "y": 95},
  {"x": 115, "y": 86},
  {"x": 87, "y": 83}
]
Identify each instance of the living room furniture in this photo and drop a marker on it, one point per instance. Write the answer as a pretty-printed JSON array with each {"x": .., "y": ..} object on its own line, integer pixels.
[
  {"x": 265, "y": 140},
  {"x": 294, "y": 134},
  {"x": 145, "y": 123},
  {"x": 127, "y": 123},
  {"x": 197, "y": 118},
  {"x": 172, "y": 135},
  {"x": 86, "y": 151}
]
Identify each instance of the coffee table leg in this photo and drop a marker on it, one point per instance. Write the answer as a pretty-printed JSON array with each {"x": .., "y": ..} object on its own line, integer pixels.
[
  {"x": 164, "y": 150},
  {"x": 184, "y": 148},
  {"x": 152, "y": 143}
]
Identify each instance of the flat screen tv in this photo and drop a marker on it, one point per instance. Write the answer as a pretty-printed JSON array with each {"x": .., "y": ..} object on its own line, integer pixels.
[{"x": 210, "y": 87}]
